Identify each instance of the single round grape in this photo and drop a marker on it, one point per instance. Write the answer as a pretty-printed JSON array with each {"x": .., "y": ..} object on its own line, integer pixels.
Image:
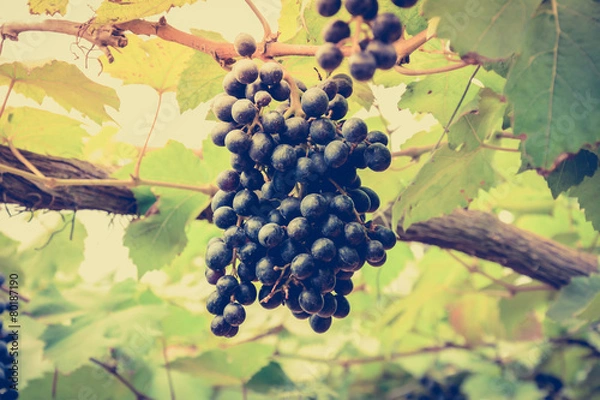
[
  {"x": 215, "y": 303},
  {"x": 323, "y": 249},
  {"x": 250, "y": 253},
  {"x": 372, "y": 11},
  {"x": 233, "y": 87},
  {"x": 319, "y": 163},
  {"x": 253, "y": 88},
  {"x": 275, "y": 299},
  {"x": 354, "y": 233},
  {"x": 385, "y": 54},
  {"x": 323, "y": 279},
  {"x": 221, "y": 199},
  {"x": 244, "y": 111},
  {"x": 330, "y": 88},
  {"x": 270, "y": 235},
  {"x": 336, "y": 31},
  {"x": 228, "y": 180},
  {"x": 386, "y": 28},
  {"x": 234, "y": 314},
  {"x": 338, "y": 107},
  {"x": 301, "y": 315},
  {"x": 380, "y": 262},
  {"x": 344, "y": 275},
  {"x": 328, "y": 8},
  {"x": 344, "y": 287},
  {"x": 245, "y": 293},
  {"x": 343, "y": 307},
  {"x": 313, "y": 206},
  {"x": 261, "y": 147},
  {"x": 378, "y": 157},
  {"x": 355, "y": 130},
  {"x": 262, "y": 98},
  {"x": 283, "y": 157},
  {"x": 299, "y": 229},
  {"x": 288, "y": 250},
  {"x": 329, "y": 306},
  {"x": 386, "y": 236},
  {"x": 232, "y": 332},
  {"x": 305, "y": 170},
  {"x": 344, "y": 83},
  {"x": 373, "y": 197},
  {"x": 336, "y": 153},
  {"x": 271, "y": 73},
  {"x": 362, "y": 65},
  {"x": 219, "y": 327},
  {"x": 290, "y": 208},
  {"x": 245, "y": 71},
  {"x": 332, "y": 227},
  {"x": 244, "y": 45},
  {"x": 311, "y": 301},
  {"x": 362, "y": 202},
  {"x": 322, "y": 131},
  {"x": 296, "y": 131},
  {"x": 224, "y": 217},
  {"x": 302, "y": 266},
  {"x": 375, "y": 251},
  {"x": 234, "y": 236},
  {"x": 275, "y": 217},
  {"x": 218, "y": 256},
  {"x": 252, "y": 179},
  {"x": 213, "y": 275},
  {"x": 405, "y": 3},
  {"x": 241, "y": 162},
  {"x": 226, "y": 285},
  {"x": 357, "y": 157},
  {"x": 314, "y": 102},
  {"x": 237, "y": 141},
  {"x": 349, "y": 258},
  {"x": 280, "y": 91},
  {"x": 273, "y": 122},
  {"x": 358, "y": 7},
  {"x": 342, "y": 206},
  {"x": 320, "y": 324},
  {"x": 329, "y": 56},
  {"x": 245, "y": 203},
  {"x": 377, "y": 137},
  {"x": 221, "y": 107}
]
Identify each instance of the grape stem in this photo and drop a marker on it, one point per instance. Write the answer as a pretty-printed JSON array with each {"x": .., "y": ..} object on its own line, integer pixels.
[
  {"x": 295, "y": 106},
  {"x": 438, "y": 70},
  {"x": 342, "y": 191},
  {"x": 268, "y": 33},
  {"x": 113, "y": 371},
  {"x": 136, "y": 170}
]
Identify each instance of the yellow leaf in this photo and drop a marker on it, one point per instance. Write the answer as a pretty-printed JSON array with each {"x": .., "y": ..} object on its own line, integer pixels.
[{"x": 49, "y": 7}]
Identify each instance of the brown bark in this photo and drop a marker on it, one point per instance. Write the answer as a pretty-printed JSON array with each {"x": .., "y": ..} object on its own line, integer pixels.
[{"x": 472, "y": 232}]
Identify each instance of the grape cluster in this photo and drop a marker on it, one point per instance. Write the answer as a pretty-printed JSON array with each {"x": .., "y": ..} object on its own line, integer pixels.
[
  {"x": 292, "y": 207},
  {"x": 375, "y": 51},
  {"x": 6, "y": 359}
]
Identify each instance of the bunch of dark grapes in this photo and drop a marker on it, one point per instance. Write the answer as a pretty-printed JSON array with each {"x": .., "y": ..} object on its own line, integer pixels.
[
  {"x": 6, "y": 359},
  {"x": 292, "y": 207},
  {"x": 430, "y": 389},
  {"x": 376, "y": 51}
]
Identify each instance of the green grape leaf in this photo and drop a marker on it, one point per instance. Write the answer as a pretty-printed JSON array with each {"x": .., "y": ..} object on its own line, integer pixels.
[
  {"x": 60, "y": 250},
  {"x": 43, "y": 131},
  {"x": 572, "y": 171},
  {"x": 519, "y": 317},
  {"x": 498, "y": 387},
  {"x": 493, "y": 29},
  {"x": 575, "y": 298},
  {"x": 475, "y": 317},
  {"x": 102, "y": 148},
  {"x": 229, "y": 366},
  {"x": 588, "y": 192},
  {"x": 65, "y": 84},
  {"x": 269, "y": 378},
  {"x": 49, "y": 7},
  {"x": 200, "y": 81},
  {"x": 439, "y": 94},
  {"x": 155, "y": 240},
  {"x": 553, "y": 83},
  {"x": 300, "y": 23},
  {"x": 155, "y": 62},
  {"x": 32, "y": 364},
  {"x": 112, "y": 12},
  {"x": 87, "y": 382}
]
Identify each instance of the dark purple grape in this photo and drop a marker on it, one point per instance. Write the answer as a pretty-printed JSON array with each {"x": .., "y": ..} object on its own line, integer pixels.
[
  {"x": 244, "y": 45},
  {"x": 323, "y": 249},
  {"x": 233, "y": 87},
  {"x": 245, "y": 293},
  {"x": 344, "y": 83},
  {"x": 226, "y": 285},
  {"x": 362, "y": 65},
  {"x": 311, "y": 301},
  {"x": 270, "y": 235},
  {"x": 343, "y": 307},
  {"x": 299, "y": 229},
  {"x": 343, "y": 287},
  {"x": 377, "y": 137},
  {"x": 238, "y": 141},
  {"x": 336, "y": 153},
  {"x": 252, "y": 179},
  {"x": 219, "y": 327},
  {"x": 296, "y": 131},
  {"x": 358, "y": 7},
  {"x": 228, "y": 180},
  {"x": 336, "y": 31},
  {"x": 273, "y": 122},
  {"x": 215, "y": 303},
  {"x": 305, "y": 170},
  {"x": 320, "y": 324},
  {"x": 314, "y": 102},
  {"x": 245, "y": 71},
  {"x": 250, "y": 253},
  {"x": 405, "y": 3},
  {"x": 275, "y": 299},
  {"x": 271, "y": 73},
  {"x": 244, "y": 111},
  {"x": 213, "y": 275},
  {"x": 262, "y": 98},
  {"x": 385, "y": 54},
  {"x": 222, "y": 105},
  {"x": 330, "y": 88},
  {"x": 302, "y": 266},
  {"x": 338, "y": 107},
  {"x": 373, "y": 197},
  {"x": 386, "y": 28},
  {"x": 224, "y": 217},
  {"x": 290, "y": 208},
  {"x": 354, "y": 233},
  {"x": 284, "y": 157},
  {"x": 218, "y": 255},
  {"x": 342, "y": 206},
  {"x": 328, "y": 8},
  {"x": 332, "y": 227},
  {"x": 280, "y": 91},
  {"x": 322, "y": 131},
  {"x": 374, "y": 252},
  {"x": 234, "y": 236},
  {"x": 329, "y": 57},
  {"x": 220, "y": 131},
  {"x": 323, "y": 279},
  {"x": 234, "y": 314},
  {"x": 261, "y": 147},
  {"x": 245, "y": 203},
  {"x": 378, "y": 157},
  {"x": 241, "y": 162},
  {"x": 313, "y": 206},
  {"x": 221, "y": 199},
  {"x": 362, "y": 202},
  {"x": 349, "y": 259},
  {"x": 386, "y": 236},
  {"x": 329, "y": 305}
]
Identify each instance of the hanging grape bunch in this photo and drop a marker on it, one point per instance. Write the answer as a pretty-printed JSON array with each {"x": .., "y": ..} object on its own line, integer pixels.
[
  {"x": 292, "y": 207},
  {"x": 369, "y": 53}
]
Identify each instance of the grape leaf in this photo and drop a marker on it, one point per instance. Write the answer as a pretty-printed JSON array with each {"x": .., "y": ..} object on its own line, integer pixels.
[
  {"x": 300, "y": 23},
  {"x": 32, "y": 363},
  {"x": 102, "y": 148},
  {"x": 492, "y": 29},
  {"x": 572, "y": 172},
  {"x": 229, "y": 366},
  {"x": 87, "y": 382},
  {"x": 476, "y": 316},
  {"x": 49, "y": 7},
  {"x": 553, "y": 84},
  {"x": 43, "y": 132},
  {"x": 499, "y": 387},
  {"x": 575, "y": 298},
  {"x": 155, "y": 62},
  {"x": 65, "y": 84},
  {"x": 154, "y": 240},
  {"x": 439, "y": 94},
  {"x": 588, "y": 193},
  {"x": 269, "y": 378},
  {"x": 112, "y": 12},
  {"x": 201, "y": 80}
]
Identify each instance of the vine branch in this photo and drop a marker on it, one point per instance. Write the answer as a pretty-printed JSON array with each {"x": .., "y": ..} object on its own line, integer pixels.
[
  {"x": 113, "y": 371},
  {"x": 268, "y": 33}
]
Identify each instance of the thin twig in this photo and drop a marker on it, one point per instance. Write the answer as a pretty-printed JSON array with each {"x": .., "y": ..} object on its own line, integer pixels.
[
  {"x": 22, "y": 158},
  {"x": 10, "y": 292},
  {"x": 136, "y": 170},
  {"x": 273, "y": 331},
  {"x": 113, "y": 371},
  {"x": 54, "y": 383},
  {"x": 295, "y": 107},
  {"x": 413, "y": 152},
  {"x": 168, "y": 368},
  {"x": 8, "y": 92},
  {"x": 438, "y": 70},
  {"x": 268, "y": 33}
]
